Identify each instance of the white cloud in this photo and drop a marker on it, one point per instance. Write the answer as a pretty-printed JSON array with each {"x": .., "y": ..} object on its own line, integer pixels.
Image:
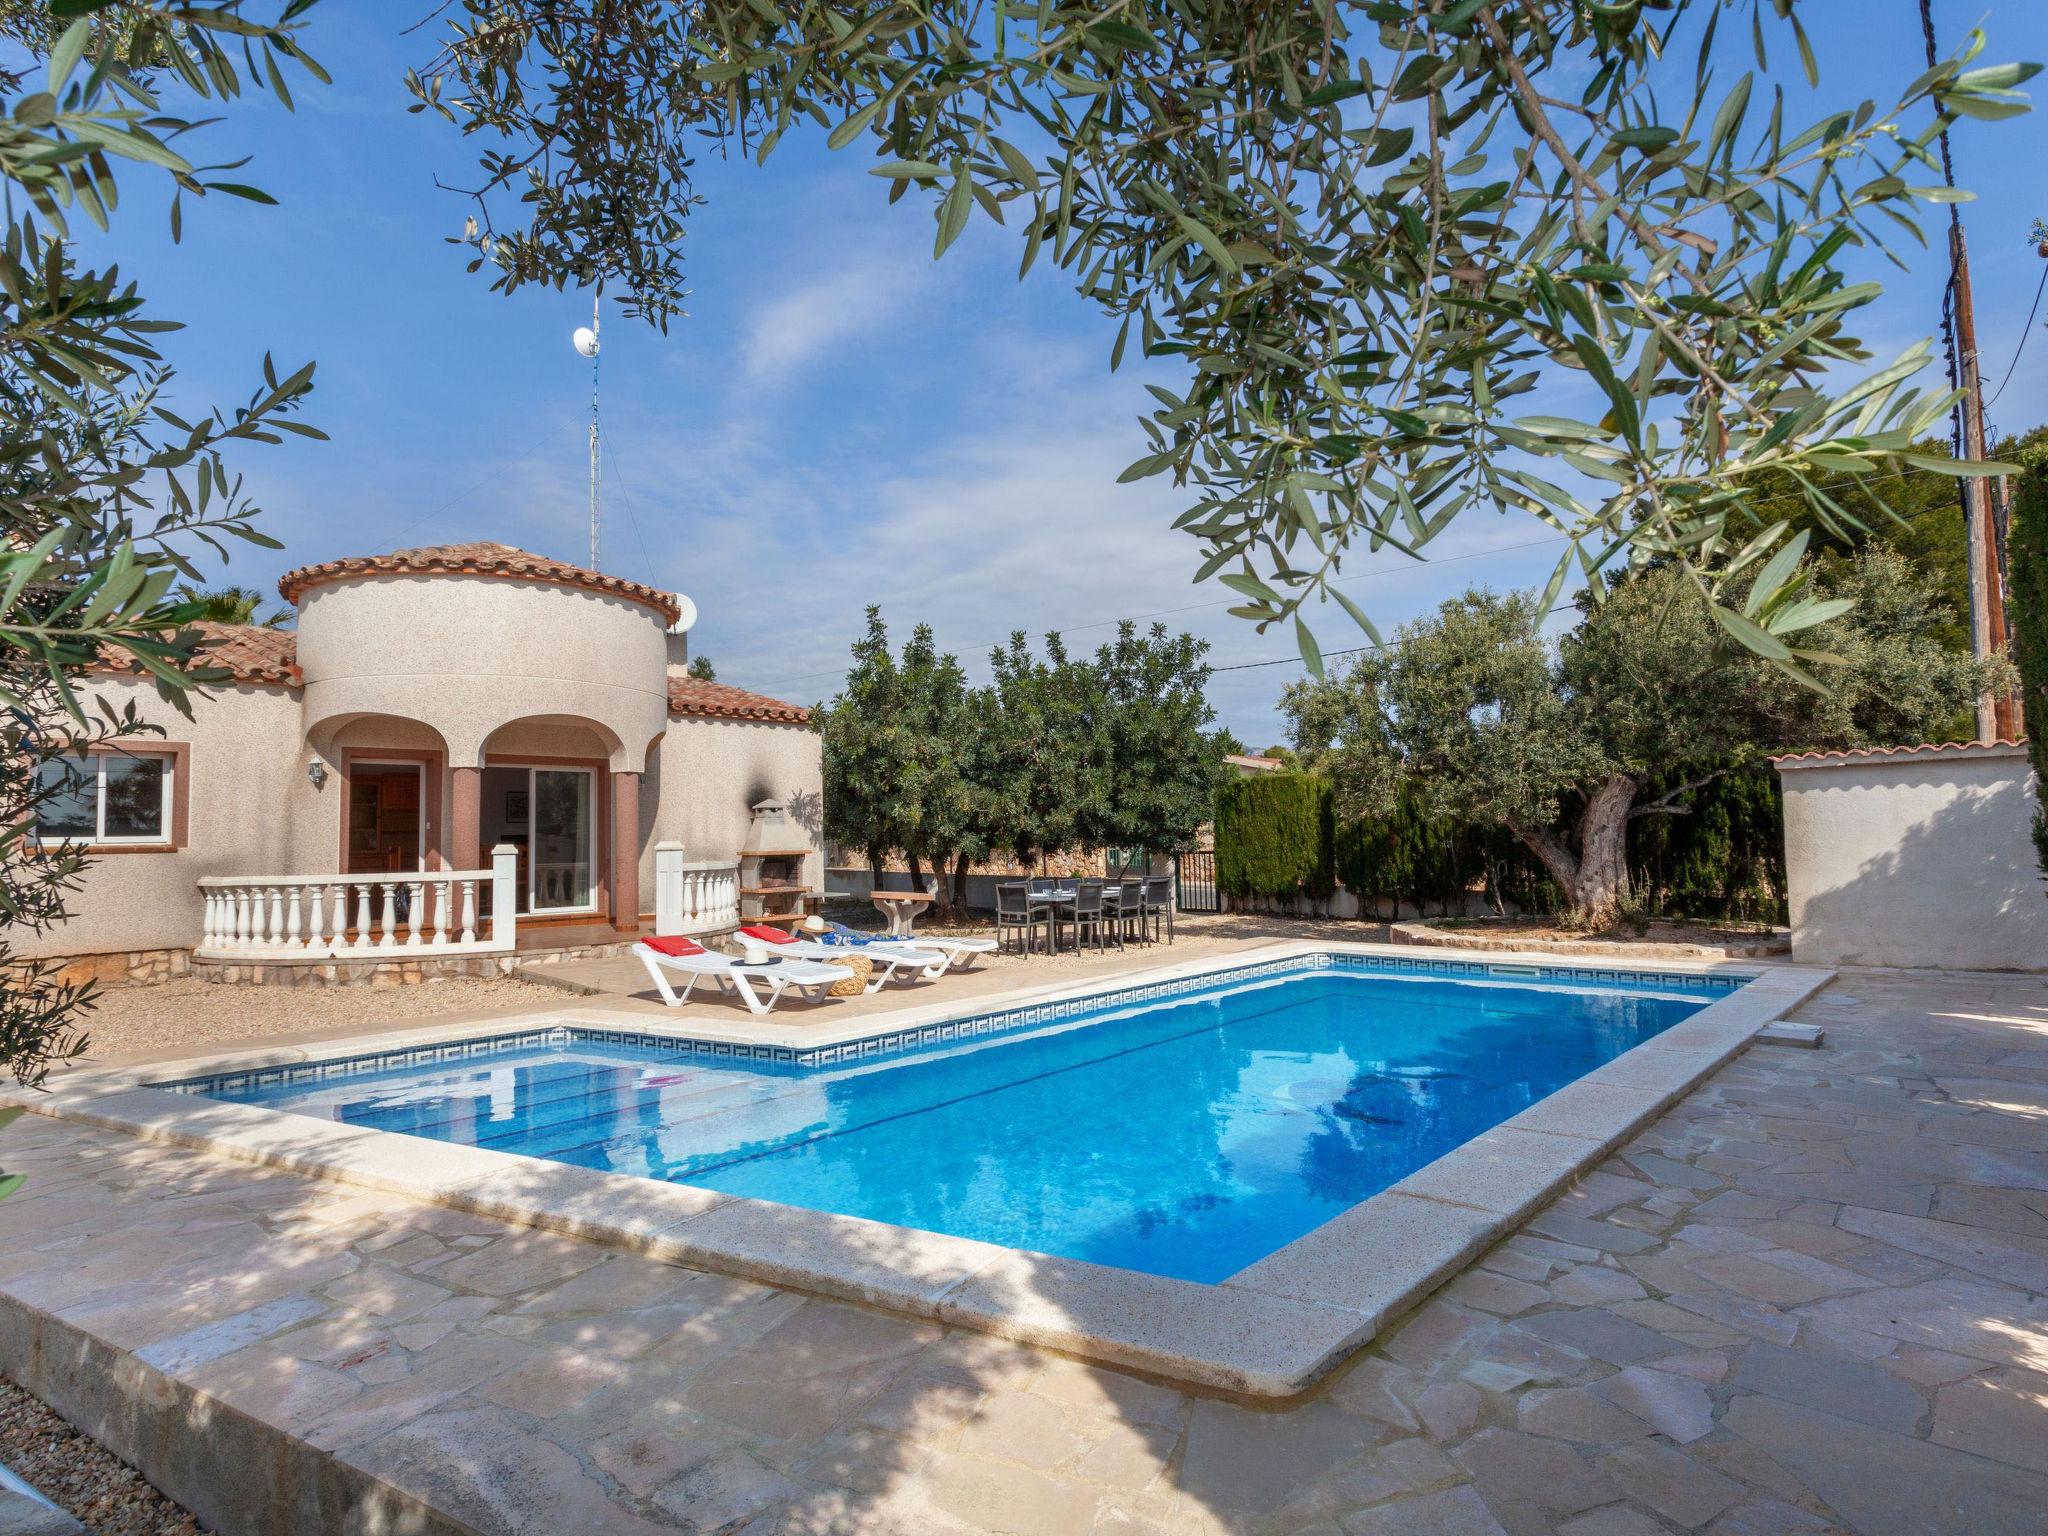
[{"x": 810, "y": 319}]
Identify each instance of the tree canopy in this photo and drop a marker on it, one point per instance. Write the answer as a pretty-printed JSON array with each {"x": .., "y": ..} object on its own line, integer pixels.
[
  {"x": 2028, "y": 554},
  {"x": 1367, "y": 231},
  {"x": 1556, "y": 741},
  {"x": 1055, "y": 753}
]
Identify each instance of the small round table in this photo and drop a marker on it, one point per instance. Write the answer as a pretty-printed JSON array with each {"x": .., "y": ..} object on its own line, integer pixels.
[{"x": 901, "y": 908}]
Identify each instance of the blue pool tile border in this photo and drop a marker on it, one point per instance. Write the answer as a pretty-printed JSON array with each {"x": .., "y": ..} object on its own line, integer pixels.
[{"x": 943, "y": 1031}]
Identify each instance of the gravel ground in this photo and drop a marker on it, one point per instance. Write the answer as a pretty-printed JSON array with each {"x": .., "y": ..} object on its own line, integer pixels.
[
  {"x": 95, "y": 1485},
  {"x": 195, "y": 1013}
]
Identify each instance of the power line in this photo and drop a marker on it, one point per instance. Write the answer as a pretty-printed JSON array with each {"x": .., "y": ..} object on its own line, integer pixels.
[
  {"x": 2026, "y": 332},
  {"x": 632, "y": 515},
  {"x": 1162, "y": 613},
  {"x": 1478, "y": 554},
  {"x": 1353, "y": 650}
]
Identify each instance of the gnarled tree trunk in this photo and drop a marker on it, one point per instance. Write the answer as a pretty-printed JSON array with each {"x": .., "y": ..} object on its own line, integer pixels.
[{"x": 1594, "y": 877}]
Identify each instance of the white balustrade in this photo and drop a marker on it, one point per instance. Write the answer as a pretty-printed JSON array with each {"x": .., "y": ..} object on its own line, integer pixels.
[
  {"x": 694, "y": 895},
  {"x": 424, "y": 912}
]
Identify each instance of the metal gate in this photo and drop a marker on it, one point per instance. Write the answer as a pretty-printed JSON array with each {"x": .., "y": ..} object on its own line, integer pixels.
[{"x": 1195, "y": 881}]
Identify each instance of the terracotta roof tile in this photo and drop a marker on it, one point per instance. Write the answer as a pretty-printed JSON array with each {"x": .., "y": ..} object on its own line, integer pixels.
[
  {"x": 1922, "y": 749},
  {"x": 481, "y": 558},
  {"x": 695, "y": 696},
  {"x": 254, "y": 654},
  {"x": 250, "y": 652}
]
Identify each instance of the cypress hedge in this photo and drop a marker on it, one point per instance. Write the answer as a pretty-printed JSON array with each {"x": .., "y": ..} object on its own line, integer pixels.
[
  {"x": 1275, "y": 835},
  {"x": 2026, "y": 556}
]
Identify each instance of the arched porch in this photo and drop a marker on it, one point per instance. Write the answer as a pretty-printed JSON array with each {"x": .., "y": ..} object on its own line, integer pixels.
[{"x": 557, "y": 789}]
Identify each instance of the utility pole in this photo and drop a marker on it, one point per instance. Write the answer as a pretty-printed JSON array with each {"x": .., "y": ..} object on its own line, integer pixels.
[
  {"x": 1995, "y": 720},
  {"x": 1995, "y": 716}
]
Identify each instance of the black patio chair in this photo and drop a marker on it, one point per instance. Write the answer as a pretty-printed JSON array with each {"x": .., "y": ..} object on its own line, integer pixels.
[
  {"x": 1130, "y": 908},
  {"x": 1159, "y": 904},
  {"x": 1016, "y": 914},
  {"x": 1093, "y": 913}
]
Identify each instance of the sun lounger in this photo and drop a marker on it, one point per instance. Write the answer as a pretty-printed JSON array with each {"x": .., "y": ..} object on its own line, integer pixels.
[
  {"x": 811, "y": 978},
  {"x": 891, "y": 962},
  {"x": 959, "y": 953}
]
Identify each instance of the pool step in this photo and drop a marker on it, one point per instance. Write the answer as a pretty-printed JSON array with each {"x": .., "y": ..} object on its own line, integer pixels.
[{"x": 1805, "y": 1037}]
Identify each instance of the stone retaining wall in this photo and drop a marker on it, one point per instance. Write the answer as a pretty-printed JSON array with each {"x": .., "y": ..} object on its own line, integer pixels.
[
  {"x": 350, "y": 973},
  {"x": 128, "y": 968},
  {"x": 1479, "y": 938}
]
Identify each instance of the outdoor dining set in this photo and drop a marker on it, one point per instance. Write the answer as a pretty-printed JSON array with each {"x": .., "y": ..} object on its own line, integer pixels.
[{"x": 1093, "y": 911}]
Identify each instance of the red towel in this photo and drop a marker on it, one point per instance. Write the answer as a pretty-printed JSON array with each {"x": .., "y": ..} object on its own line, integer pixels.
[
  {"x": 768, "y": 935},
  {"x": 677, "y": 946}
]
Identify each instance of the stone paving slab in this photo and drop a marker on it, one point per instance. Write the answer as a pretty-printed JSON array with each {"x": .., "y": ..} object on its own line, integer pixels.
[{"x": 282, "y": 1354}]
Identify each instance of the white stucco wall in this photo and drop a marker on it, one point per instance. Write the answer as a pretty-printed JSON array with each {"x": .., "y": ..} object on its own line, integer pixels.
[
  {"x": 705, "y": 775},
  {"x": 467, "y": 654},
  {"x": 1915, "y": 860},
  {"x": 251, "y": 810}
]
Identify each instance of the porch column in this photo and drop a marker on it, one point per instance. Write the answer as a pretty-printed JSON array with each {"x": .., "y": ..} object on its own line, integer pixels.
[
  {"x": 626, "y": 852},
  {"x": 465, "y": 824}
]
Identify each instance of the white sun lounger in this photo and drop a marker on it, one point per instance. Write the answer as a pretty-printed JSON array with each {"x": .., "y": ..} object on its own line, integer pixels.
[
  {"x": 810, "y": 978},
  {"x": 889, "y": 962},
  {"x": 959, "y": 953}
]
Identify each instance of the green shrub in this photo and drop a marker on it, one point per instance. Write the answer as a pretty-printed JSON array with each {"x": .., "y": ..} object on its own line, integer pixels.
[
  {"x": 1275, "y": 836},
  {"x": 2026, "y": 554},
  {"x": 1721, "y": 861},
  {"x": 1408, "y": 855}
]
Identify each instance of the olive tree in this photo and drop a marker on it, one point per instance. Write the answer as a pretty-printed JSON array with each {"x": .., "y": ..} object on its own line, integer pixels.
[
  {"x": 1556, "y": 741},
  {"x": 107, "y": 493},
  {"x": 1368, "y": 231}
]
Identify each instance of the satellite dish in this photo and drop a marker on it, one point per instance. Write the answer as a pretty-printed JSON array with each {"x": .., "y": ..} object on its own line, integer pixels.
[
  {"x": 686, "y": 615},
  {"x": 586, "y": 340}
]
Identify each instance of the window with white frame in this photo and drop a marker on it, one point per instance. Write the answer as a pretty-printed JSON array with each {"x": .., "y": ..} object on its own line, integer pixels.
[{"x": 116, "y": 796}]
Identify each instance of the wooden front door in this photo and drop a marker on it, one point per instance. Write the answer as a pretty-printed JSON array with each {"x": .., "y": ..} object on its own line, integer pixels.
[{"x": 383, "y": 818}]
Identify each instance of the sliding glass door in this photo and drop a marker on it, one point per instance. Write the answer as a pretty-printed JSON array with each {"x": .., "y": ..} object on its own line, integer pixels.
[{"x": 561, "y": 868}]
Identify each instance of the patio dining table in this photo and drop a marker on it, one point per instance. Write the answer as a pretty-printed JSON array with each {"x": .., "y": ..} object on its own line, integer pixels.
[{"x": 1066, "y": 896}]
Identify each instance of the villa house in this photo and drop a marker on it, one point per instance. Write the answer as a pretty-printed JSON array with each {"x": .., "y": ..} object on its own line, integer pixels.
[{"x": 451, "y": 737}]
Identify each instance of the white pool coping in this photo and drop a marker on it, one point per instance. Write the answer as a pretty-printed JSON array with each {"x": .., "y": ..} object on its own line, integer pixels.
[{"x": 1269, "y": 1331}]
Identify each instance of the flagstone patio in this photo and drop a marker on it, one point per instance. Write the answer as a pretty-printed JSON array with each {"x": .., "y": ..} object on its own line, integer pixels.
[{"x": 1812, "y": 1297}]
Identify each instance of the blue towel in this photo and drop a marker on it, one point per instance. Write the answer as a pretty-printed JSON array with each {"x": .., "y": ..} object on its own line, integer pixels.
[{"x": 839, "y": 933}]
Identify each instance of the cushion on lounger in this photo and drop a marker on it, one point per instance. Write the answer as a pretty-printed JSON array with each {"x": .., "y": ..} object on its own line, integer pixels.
[
  {"x": 676, "y": 945},
  {"x": 768, "y": 935}
]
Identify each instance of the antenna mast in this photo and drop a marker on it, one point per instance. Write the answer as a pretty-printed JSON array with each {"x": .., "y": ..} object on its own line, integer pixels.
[{"x": 596, "y": 472}]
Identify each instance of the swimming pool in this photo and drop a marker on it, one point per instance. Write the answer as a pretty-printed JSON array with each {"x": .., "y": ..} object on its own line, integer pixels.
[{"x": 1185, "y": 1136}]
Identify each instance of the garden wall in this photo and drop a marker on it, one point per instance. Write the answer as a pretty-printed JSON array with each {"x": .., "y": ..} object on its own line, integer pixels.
[{"x": 1917, "y": 856}]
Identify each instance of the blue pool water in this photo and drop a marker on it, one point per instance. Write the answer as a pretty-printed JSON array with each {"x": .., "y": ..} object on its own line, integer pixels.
[{"x": 1188, "y": 1136}]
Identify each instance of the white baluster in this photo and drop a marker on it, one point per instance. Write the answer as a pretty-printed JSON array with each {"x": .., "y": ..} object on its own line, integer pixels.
[
  {"x": 244, "y": 925},
  {"x": 294, "y": 917},
  {"x": 415, "y": 917},
  {"x": 440, "y": 934},
  {"x": 389, "y": 910},
  {"x": 469, "y": 911},
  {"x": 363, "y": 915},
  {"x": 316, "y": 940}
]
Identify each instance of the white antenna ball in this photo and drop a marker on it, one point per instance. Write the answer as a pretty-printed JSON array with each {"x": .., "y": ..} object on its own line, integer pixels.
[
  {"x": 685, "y": 617},
  {"x": 586, "y": 340}
]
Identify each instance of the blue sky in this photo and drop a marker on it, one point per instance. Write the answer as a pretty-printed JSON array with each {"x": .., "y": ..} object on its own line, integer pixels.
[{"x": 840, "y": 420}]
